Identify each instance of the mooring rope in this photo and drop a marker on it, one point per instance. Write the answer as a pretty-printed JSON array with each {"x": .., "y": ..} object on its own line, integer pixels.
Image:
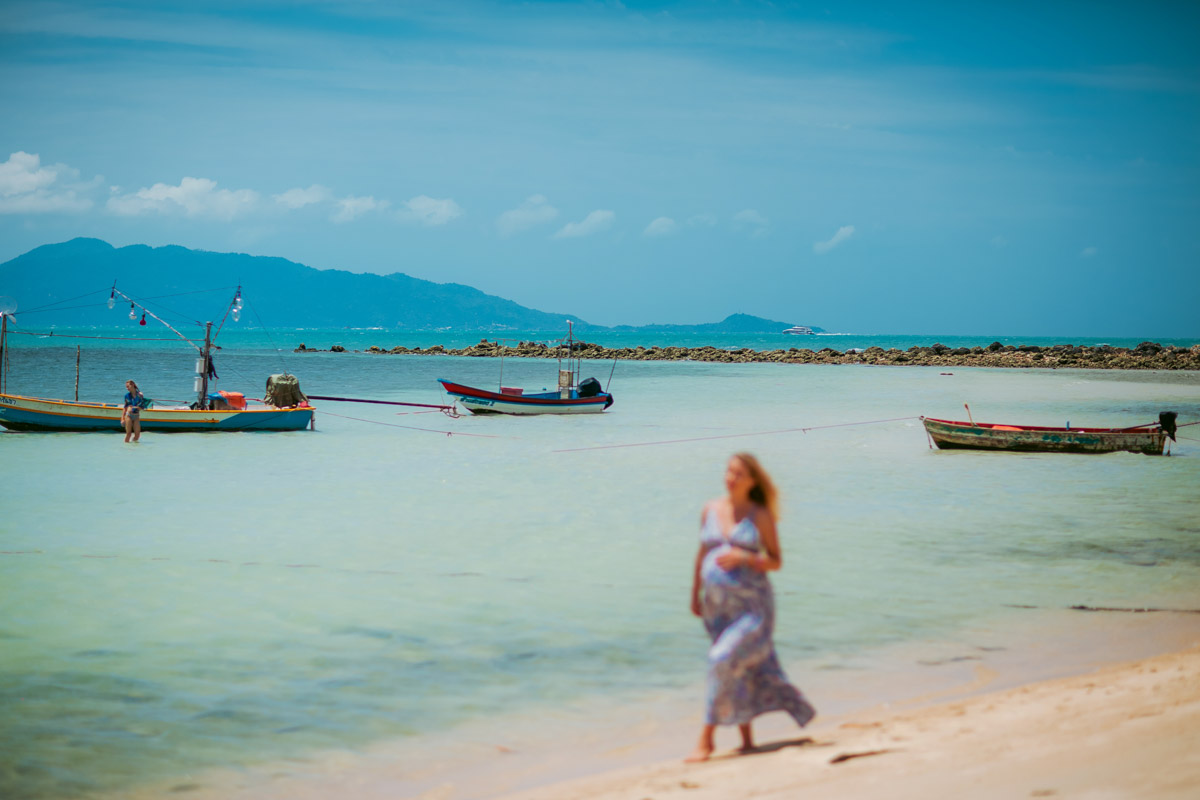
[
  {"x": 733, "y": 435},
  {"x": 379, "y": 402},
  {"x": 412, "y": 427}
]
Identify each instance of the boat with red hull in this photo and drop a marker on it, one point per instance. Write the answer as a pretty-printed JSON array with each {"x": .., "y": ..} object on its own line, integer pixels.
[
  {"x": 515, "y": 401},
  {"x": 574, "y": 396}
]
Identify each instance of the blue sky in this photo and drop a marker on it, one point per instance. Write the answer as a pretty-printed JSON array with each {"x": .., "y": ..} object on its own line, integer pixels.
[{"x": 1007, "y": 168}]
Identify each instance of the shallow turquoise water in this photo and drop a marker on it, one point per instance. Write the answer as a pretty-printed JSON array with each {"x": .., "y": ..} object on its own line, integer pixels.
[{"x": 207, "y": 600}]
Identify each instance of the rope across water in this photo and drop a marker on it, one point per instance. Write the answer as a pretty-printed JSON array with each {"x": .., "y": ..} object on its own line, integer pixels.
[{"x": 734, "y": 435}]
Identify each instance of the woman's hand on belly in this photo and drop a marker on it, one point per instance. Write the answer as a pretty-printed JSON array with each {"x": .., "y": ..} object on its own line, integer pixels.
[{"x": 733, "y": 558}]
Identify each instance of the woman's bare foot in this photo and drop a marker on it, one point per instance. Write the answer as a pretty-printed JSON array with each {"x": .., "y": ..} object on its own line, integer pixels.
[
  {"x": 747, "y": 739},
  {"x": 704, "y": 747}
]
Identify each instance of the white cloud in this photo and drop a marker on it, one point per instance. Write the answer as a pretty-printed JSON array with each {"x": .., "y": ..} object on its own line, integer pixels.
[
  {"x": 662, "y": 226},
  {"x": 1088, "y": 252},
  {"x": 534, "y": 211},
  {"x": 707, "y": 220},
  {"x": 299, "y": 198},
  {"x": 23, "y": 174},
  {"x": 843, "y": 233},
  {"x": 594, "y": 222},
  {"x": 195, "y": 197},
  {"x": 352, "y": 207},
  {"x": 28, "y": 187},
  {"x": 430, "y": 211},
  {"x": 749, "y": 219}
]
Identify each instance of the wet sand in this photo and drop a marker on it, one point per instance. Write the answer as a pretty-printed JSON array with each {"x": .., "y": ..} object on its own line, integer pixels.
[
  {"x": 1125, "y": 731},
  {"x": 1103, "y": 705}
]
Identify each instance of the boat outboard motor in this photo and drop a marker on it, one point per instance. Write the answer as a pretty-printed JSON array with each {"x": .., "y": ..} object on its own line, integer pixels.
[
  {"x": 589, "y": 388},
  {"x": 1166, "y": 421}
]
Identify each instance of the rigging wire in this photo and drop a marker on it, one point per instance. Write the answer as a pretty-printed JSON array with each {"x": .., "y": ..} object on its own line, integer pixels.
[
  {"x": 228, "y": 308},
  {"x": 44, "y": 309},
  {"x": 50, "y": 306},
  {"x": 55, "y": 305},
  {"x": 141, "y": 301},
  {"x": 196, "y": 291},
  {"x": 270, "y": 338},
  {"x": 732, "y": 435},
  {"x": 160, "y": 319}
]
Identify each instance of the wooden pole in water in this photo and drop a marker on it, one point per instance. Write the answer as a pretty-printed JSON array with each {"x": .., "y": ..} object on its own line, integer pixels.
[
  {"x": 76, "y": 373},
  {"x": 968, "y": 408}
]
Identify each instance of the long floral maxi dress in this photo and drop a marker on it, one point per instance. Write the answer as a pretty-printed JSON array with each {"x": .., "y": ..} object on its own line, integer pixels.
[{"x": 744, "y": 675}]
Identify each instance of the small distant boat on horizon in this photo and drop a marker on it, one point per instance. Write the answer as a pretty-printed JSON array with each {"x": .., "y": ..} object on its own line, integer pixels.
[
  {"x": 801, "y": 330},
  {"x": 573, "y": 396},
  {"x": 955, "y": 435}
]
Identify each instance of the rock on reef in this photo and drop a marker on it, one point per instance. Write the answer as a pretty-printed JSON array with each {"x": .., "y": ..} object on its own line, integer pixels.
[{"x": 1147, "y": 355}]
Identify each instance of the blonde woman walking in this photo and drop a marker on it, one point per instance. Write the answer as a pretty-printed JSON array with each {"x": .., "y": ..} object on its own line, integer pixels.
[{"x": 739, "y": 545}]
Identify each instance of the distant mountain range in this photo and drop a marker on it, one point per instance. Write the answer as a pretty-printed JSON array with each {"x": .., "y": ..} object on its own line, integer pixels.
[{"x": 278, "y": 291}]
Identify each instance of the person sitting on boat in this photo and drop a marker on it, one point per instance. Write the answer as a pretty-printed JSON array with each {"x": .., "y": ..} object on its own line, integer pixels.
[{"x": 131, "y": 415}]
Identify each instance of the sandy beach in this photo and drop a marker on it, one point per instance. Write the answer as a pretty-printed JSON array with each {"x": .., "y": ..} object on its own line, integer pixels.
[
  {"x": 1125, "y": 731},
  {"x": 1054, "y": 716}
]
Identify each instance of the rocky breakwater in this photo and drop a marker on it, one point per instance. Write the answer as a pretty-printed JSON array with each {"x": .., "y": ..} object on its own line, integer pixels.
[{"x": 1147, "y": 355}]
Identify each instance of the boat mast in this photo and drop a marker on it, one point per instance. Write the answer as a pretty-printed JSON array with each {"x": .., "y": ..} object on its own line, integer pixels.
[
  {"x": 566, "y": 377},
  {"x": 576, "y": 367},
  {"x": 3, "y": 352},
  {"x": 500, "y": 347},
  {"x": 205, "y": 355}
]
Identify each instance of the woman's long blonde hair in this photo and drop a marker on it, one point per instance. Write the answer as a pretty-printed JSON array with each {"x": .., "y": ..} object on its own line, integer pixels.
[{"x": 763, "y": 492}]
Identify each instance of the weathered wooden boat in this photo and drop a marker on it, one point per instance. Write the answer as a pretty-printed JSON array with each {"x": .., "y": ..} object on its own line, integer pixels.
[
  {"x": 36, "y": 414},
  {"x": 285, "y": 409},
  {"x": 1149, "y": 439},
  {"x": 573, "y": 396}
]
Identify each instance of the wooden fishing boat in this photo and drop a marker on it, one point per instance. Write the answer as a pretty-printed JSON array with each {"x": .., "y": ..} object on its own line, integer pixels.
[
  {"x": 1149, "y": 439},
  {"x": 573, "y": 396},
  {"x": 36, "y": 414},
  {"x": 286, "y": 408}
]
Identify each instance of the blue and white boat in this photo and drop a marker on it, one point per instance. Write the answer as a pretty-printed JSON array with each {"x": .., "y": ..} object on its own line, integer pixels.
[
  {"x": 573, "y": 396},
  {"x": 515, "y": 401}
]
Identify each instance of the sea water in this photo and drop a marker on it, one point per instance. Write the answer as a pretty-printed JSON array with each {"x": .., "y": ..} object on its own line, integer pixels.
[{"x": 199, "y": 602}]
